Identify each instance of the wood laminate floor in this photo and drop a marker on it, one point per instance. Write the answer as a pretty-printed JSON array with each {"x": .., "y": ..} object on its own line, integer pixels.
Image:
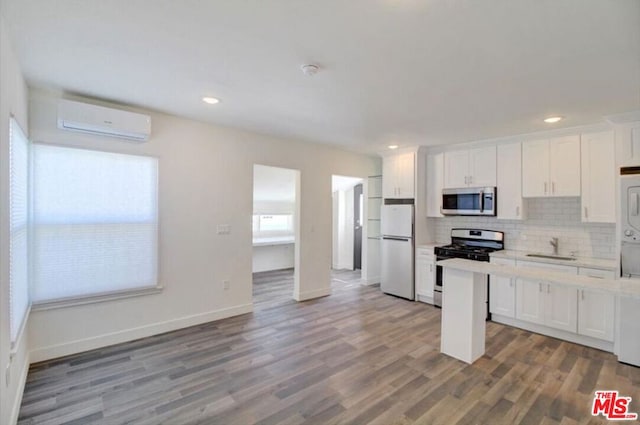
[{"x": 355, "y": 357}]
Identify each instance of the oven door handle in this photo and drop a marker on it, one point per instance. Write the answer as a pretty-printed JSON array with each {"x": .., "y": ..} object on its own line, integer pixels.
[{"x": 481, "y": 195}]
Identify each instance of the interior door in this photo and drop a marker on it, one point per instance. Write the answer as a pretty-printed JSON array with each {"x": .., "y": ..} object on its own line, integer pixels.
[{"x": 357, "y": 226}]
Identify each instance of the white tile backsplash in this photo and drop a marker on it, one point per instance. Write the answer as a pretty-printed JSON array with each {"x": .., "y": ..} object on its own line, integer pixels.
[{"x": 546, "y": 218}]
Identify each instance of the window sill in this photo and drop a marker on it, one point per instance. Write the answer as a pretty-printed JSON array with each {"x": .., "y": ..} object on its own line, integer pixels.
[{"x": 93, "y": 299}]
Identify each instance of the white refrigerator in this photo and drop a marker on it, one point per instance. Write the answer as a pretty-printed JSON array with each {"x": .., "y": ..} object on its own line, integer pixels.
[{"x": 397, "y": 250}]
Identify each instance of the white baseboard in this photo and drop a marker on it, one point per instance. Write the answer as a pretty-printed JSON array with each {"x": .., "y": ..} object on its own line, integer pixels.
[
  {"x": 555, "y": 333},
  {"x": 15, "y": 409},
  {"x": 78, "y": 346},
  {"x": 309, "y": 295},
  {"x": 370, "y": 280},
  {"x": 424, "y": 298}
]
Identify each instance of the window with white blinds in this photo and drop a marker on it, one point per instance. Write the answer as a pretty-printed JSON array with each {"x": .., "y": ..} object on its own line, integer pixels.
[
  {"x": 95, "y": 223},
  {"x": 18, "y": 228}
]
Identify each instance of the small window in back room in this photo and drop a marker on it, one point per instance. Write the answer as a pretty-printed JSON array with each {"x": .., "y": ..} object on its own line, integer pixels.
[
  {"x": 273, "y": 223},
  {"x": 95, "y": 223}
]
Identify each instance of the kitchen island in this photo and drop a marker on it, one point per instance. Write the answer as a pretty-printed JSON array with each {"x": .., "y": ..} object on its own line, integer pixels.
[{"x": 463, "y": 307}]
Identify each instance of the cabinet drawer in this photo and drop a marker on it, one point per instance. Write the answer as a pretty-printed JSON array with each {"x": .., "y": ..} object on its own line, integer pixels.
[{"x": 597, "y": 273}]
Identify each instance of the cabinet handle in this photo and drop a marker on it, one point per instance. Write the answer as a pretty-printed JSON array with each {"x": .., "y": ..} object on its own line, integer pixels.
[
  {"x": 518, "y": 211},
  {"x": 470, "y": 179},
  {"x": 582, "y": 294},
  {"x": 553, "y": 187},
  {"x": 545, "y": 188},
  {"x": 431, "y": 268},
  {"x": 540, "y": 286},
  {"x": 511, "y": 283},
  {"x": 586, "y": 212}
]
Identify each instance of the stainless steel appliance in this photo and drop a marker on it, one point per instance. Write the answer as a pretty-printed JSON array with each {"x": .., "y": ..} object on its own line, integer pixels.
[
  {"x": 469, "y": 201},
  {"x": 397, "y": 250},
  {"x": 471, "y": 244},
  {"x": 630, "y": 221}
]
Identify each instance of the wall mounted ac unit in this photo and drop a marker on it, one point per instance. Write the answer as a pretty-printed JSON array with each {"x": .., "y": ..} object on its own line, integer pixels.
[{"x": 85, "y": 118}]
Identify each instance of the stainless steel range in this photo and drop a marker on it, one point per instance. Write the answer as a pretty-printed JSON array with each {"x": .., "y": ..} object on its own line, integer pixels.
[{"x": 471, "y": 244}]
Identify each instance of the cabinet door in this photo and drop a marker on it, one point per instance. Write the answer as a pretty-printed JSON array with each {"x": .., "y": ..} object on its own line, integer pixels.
[
  {"x": 482, "y": 166},
  {"x": 564, "y": 169},
  {"x": 596, "y": 314},
  {"x": 405, "y": 175},
  {"x": 598, "y": 177},
  {"x": 535, "y": 169},
  {"x": 422, "y": 269},
  {"x": 561, "y": 307},
  {"x": 502, "y": 296},
  {"x": 456, "y": 169},
  {"x": 389, "y": 184},
  {"x": 529, "y": 301},
  {"x": 509, "y": 165},
  {"x": 435, "y": 177}
]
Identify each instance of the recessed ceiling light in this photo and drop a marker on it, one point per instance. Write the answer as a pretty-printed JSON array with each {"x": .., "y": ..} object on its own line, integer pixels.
[
  {"x": 210, "y": 100},
  {"x": 393, "y": 146},
  {"x": 553, "y": 120}
]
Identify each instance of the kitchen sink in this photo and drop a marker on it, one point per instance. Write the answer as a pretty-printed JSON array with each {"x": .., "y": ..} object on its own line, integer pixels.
[{"x": 551, "y": 257}]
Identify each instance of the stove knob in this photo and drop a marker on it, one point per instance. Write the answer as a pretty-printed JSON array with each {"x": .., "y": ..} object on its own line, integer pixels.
[{"x": 628, "y": 232}]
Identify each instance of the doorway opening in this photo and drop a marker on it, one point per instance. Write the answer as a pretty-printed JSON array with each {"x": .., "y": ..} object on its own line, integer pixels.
[
  {"x": 275, "y": 234},
  {"x": 347, "y": 227}
]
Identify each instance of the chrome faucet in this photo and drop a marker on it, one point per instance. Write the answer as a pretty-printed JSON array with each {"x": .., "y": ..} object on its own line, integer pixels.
[{"x": 554, "y": 244}]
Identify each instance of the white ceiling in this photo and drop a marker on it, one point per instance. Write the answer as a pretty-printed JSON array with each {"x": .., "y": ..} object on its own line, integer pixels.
[
  {"x": 401, "y": 71},
  {"x": 273, "y": 184}
]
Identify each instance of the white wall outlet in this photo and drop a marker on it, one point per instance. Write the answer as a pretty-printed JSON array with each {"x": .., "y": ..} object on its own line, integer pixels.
[
  {"x": 225, "y": 284},
  {"x": 223, "y": 229}
]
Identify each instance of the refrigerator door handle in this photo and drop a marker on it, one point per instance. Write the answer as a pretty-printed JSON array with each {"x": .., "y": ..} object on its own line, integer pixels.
[{"x": 394, "y": 238}]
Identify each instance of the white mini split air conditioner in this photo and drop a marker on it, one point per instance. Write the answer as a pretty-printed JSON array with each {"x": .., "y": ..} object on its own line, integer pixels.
[{"x": 85, "y": 118}]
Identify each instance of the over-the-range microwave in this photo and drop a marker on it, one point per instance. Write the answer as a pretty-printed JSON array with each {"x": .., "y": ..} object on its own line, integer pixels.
[{"x": 469, "y": 201}]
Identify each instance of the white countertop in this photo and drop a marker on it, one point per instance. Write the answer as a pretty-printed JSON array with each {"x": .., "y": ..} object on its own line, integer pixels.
[
  {"x": 275, "y": 240},
  {"x": 430, "y": 245},
  {"x": 595, "y": 263},
  {"x": 627, "y": 287}
]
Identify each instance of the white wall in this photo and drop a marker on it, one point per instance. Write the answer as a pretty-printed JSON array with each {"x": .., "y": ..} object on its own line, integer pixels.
[
  {"x": 13, "y": 100},
  {"x": 205, "y": 180},
  {"x": 546, "y": 218},
  {"x": 273, "y": 257}
]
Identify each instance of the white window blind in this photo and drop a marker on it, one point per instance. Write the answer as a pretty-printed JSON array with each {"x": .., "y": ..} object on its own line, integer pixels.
[
  {"x": 95, "y": 222},
  {"x": 19, "y": 227}
]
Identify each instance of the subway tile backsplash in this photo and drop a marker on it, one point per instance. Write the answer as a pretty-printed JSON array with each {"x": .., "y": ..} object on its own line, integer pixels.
[{"x": 546, "y": 218}]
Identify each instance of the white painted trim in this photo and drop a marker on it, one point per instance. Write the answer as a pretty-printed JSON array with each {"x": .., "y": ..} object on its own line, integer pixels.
[
  {"x": 424, "y": 298},
  {"x": 15, "y": 344},
  {"x": 59, "y": 350},
  {"x": 309, "y": 295},
  {"x": 370, "y": 281},
  {"x": 15, "y": 409},
  {"x": 555, "y": 333},
  {"x": 96, "y": 298}
]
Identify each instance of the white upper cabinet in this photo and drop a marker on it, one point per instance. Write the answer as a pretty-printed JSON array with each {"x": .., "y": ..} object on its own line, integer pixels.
[
  {"x": 509, "y": 162},
  {"x": 551, "y": 167},
  {"x": 435, "y": 178},
  {"x": 470, "y": 168},
  {"x": 398, "y": 176},
  {"x": 598, "y": 177},
  {"x": 628, "y": 142}
]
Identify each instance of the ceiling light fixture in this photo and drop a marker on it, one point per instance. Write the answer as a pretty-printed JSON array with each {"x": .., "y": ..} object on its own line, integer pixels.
[
  {"x": 393, "y": 146},
  {"x": 210, "y": 100},
  {"x": 310, "y": 69},
  {"x": 553, "y": 120}
]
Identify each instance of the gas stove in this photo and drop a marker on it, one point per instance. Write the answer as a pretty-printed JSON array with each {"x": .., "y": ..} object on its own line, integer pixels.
[{"x": 470, "y": 244}]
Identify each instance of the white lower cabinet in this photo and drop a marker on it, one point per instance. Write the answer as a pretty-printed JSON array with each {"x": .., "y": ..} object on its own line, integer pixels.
[
  {"x": 502, "y": 291},
  {"x": 596, "y": 309},
  {"x": 555, "y": 306},
  {"x": 425, "y": 275}
]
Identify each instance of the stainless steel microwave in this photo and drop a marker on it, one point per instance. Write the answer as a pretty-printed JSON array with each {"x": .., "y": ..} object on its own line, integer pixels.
[{"x": 469, "y": 201}]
